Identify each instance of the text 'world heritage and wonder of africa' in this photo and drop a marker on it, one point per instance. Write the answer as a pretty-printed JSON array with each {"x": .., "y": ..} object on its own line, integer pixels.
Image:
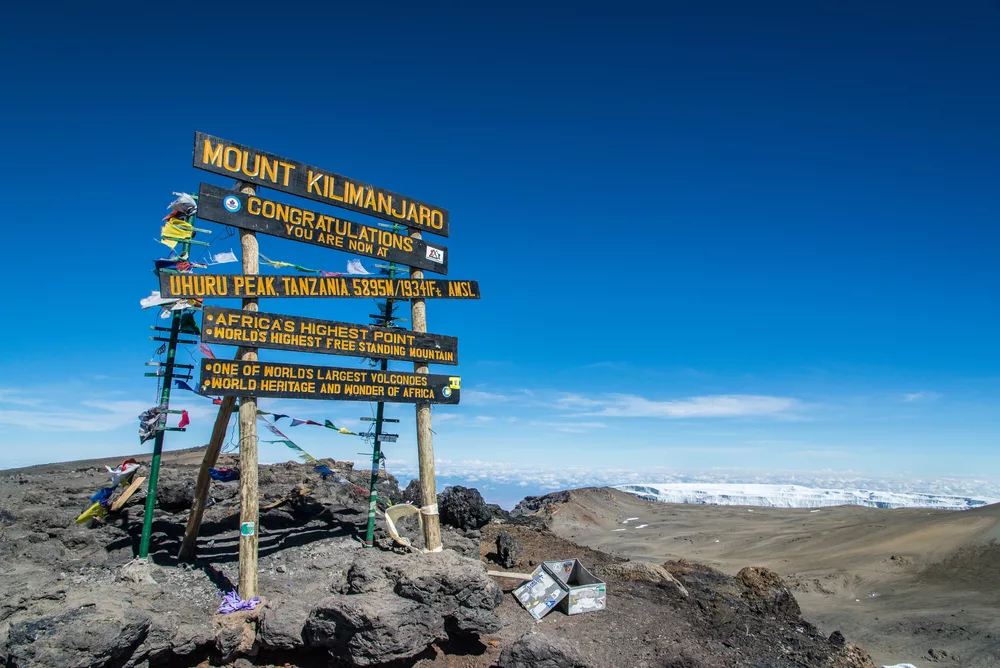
[{"x": 300, "y": 381}]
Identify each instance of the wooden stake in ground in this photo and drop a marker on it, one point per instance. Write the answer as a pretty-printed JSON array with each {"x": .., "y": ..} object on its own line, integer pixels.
[
  {"x": 249, "y": 508},
  {"x": 425, "y": 439},
  {"x": 201, "y": 490}
]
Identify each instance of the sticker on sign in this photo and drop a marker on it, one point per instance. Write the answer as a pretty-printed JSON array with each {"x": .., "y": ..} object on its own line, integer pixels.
[{"x": 435, "y": 254}]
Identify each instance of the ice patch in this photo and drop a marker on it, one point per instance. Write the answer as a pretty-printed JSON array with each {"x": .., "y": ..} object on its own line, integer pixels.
[
  {"x": 641, "y": 526},
  {"x": 795, "y": 496},
  {"x": 613, "y": 530},
  {"x": 629, "y": 519}
]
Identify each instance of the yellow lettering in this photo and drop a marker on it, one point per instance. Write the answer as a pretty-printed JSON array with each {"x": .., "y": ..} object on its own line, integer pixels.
[
  {"x": 212, "y": 157},
  {"x": 288, "y": 170},
  {"x": 256, "y": 164},
  {"x": 269, "y": 170},
  {"x": 236, "y": 153},
  {"x": 311, "y": 181}
]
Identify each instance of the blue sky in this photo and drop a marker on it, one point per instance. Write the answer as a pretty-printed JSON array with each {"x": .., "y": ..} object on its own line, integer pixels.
[{"x": 754, "y": 237}]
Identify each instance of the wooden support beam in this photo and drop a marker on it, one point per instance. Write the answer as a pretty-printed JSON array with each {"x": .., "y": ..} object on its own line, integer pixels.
[
  {"x": 249, "y": 501},
  {"x": 189, "y": 545},
  {"x": 425, "y": 439}
]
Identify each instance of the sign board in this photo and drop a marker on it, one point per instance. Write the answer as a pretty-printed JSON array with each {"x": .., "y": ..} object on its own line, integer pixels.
[
  {"x": 306, "y": 381},
  {"x": 249, "y": 212},
  {"x": 235, "y": 327},
  {"x": 202, "y": 286},
  {"x": 249, "y": 165},
  {"x": 387, "y": 438}
]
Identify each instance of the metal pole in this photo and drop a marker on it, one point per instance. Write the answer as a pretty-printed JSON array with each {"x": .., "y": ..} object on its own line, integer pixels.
[
  {"x": 154, "y": 467},
  {"x": 377, "y": 448}
]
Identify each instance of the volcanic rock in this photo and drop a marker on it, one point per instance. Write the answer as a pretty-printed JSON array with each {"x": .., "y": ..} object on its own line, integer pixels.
[
  {"x": 508, "y": 549},
  {"x": 535, "y": 650}
]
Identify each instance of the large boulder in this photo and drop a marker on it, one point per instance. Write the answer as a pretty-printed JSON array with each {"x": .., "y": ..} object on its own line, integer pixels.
[
  {"x": 282, "y": 624},
  {"x": 537, "y": 650},
  {"x": 766, "y": 593},
  {"x": 367, "y": 629},
  {"x": 395, "y": 607},
  {"x": 90, "y": 637},
  {"x": 508, "y": 550},
  {"x": 175, "y": 496},
  {"x": 644, "y": 572},
  {"x": 463, "y": 508}
]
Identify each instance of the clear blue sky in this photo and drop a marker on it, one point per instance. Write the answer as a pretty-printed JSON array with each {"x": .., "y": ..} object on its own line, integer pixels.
[{"x": 749, "y": 235}]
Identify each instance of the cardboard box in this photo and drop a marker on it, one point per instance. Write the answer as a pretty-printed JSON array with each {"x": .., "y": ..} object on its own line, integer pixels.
[
  {"x": 585, "y": 592},
  {"x": 566, "y": 584}
]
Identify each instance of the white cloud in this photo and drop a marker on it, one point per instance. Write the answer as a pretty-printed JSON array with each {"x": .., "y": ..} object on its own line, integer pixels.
[
  {"x": 484, "y": 418},
  {"x": 569, "y": 427},
  {"x": 481, "y": 398},
  {"x": 921, "y": 396},
  {"x": 91, "y": 415},
  {"x": 712, "y": 406}
]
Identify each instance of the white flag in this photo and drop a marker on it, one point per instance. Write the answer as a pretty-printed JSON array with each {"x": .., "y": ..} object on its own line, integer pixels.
[
  {"x": 355, "y": 267},
  {"x": 223, "y": 258}
]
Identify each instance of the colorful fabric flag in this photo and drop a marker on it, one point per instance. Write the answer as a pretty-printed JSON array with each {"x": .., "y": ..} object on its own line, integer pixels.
[
  {"x": 176, "y": 229},
  {"x": 122, "y": 471},
  {"x": 188, "y": 324},
  {"x": 185, "y": 420},
  {"x": 103, "y": 495},
  {"x": 162, "y": 349},
  {"x": 206, "y": 351},
  {"x": 184, "y": 205},
  {"x": 154, "y": 299},
  {"x": 342, "y": 430},
  {"x": 149, "y": 421},
  {"x": 224, "y": 475},
  {"x": 331, "y": 274}
]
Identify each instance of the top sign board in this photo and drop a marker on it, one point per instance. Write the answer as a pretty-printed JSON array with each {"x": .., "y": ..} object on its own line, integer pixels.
[
  {"x": 247, "y": 164},
  {"x": 249, "y": 212}
]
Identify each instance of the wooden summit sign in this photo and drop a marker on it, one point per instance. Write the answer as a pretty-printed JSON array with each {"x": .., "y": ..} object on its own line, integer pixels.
[
  {"x": 234, "y": 327},
  {"x": 237, "y": 161},
  {"x": 287, "y": 221},
  {"x": 202, "y": 286},
  {"x": 305, "y": 381}
]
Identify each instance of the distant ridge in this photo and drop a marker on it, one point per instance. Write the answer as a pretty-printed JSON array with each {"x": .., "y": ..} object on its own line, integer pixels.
[{"x": 795, "y": 496}]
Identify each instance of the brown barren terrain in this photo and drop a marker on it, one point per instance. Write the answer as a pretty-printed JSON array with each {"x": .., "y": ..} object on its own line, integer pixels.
[{"x": 908, "y": 585}]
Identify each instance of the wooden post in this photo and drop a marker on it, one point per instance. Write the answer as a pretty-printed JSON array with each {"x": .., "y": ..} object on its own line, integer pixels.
[
  {"x": 189, "y": 545},
  {"x": 249, "y": 503},
  {"x": 425, "y": 440}
]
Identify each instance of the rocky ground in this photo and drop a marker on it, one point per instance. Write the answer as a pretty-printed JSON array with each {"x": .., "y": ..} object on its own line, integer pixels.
[{"x": 72, "y": 595}]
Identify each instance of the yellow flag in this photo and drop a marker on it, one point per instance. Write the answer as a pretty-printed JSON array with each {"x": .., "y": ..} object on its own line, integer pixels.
[{"x": 178, "y": 229}]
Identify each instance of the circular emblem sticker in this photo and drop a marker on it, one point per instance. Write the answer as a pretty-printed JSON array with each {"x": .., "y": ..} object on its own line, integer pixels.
[
  {"x": 247, "y": 528},
  {"x": 232, "y": 203},
  {"x": 446, "y": 392}
]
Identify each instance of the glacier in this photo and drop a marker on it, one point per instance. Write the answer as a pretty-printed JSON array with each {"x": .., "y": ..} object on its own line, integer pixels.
[{"x": 794, "y": 496}]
